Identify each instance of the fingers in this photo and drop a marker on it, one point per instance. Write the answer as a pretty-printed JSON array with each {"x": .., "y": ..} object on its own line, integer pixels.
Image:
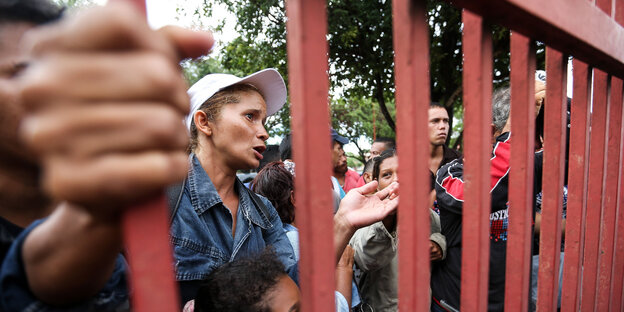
[
  {"x": 75, "y": 78},
  {"x": 391, "y": 191},
  {"x": 114, "y": 27},
  {"x": 118, "y": 178},
  {"x": 188, "y": 43},
  {"x": 104, "y": 100},
  {"x": 435, "y": 251},
  {"x": 367, "y": 188},
  {"x": 391, "y": 205},
  {"x": 93, "y": 130}
]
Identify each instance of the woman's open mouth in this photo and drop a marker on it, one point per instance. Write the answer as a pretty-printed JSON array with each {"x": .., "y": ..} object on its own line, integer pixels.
[{"x": 258, "y": 150}]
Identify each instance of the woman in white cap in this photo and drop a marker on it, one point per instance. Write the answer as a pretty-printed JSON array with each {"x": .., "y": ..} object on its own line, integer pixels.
[{"x": 216, "y": 219}]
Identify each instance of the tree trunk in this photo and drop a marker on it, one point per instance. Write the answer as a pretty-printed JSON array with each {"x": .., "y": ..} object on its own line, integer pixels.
[
  {"x": 379, "y": 94},
  {"x": 450, "y": 109},
  {"x": 459, "y": 142},
  {"x": 360, "y": 151}
]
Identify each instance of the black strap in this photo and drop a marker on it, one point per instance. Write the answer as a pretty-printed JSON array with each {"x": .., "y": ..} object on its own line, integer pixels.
[{"x": 174, "y": 196}]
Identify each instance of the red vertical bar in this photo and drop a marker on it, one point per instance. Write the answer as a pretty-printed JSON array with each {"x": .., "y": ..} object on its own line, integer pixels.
[
  {"x": 619, "y": 11},
  {"x": 150, "y": 258},
  {"x": 411, "y": 45},
  {"x": 477, "y": 84},
  {"x": 595, "y": 190},
  {"x": 552, "y": 185},
  {"x": 146, "y": 236},
  {"x": 604, "y": 5},
  {"x": 617, "y": 280},
  {"x": 309, "y": 87},
  {"x": 517, "y": 282},
  {"x": 612, "y": 170},
  {"x": 577, "y": 186}
]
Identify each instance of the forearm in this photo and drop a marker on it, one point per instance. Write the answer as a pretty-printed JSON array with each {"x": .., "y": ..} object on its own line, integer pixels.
[
  {"x": 343, "y": 282},
  {"x": 71, "y": 255},
  {"x": 342, "y": 234}
]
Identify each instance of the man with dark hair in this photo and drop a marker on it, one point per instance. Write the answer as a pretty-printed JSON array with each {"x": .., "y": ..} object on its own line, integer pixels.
[
  {"x": 381, "y": 144},
  {"x": 446, "y": 275},
  {"x": 439, "y": 153},
  {"x": 346, "y": 178},
  {"x": 253, "y": 284}
]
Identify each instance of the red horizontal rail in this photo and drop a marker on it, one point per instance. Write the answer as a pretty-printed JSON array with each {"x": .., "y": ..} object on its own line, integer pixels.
[
  {"x": 598, "y": 40},
  {"x": 309, "y": 88},
  {"x": 520, "y": 231},
  {"x": 577, "y": 186},
  {"x": 477, "y": 86},
  {"x": 552, "y": 177}
]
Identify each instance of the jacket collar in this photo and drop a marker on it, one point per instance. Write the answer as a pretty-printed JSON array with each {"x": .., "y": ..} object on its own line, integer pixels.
[{"x": 204, "y": 196}]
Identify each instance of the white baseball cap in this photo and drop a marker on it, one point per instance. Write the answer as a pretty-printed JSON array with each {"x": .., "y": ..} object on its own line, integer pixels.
[{"x": 268, "y": 81}]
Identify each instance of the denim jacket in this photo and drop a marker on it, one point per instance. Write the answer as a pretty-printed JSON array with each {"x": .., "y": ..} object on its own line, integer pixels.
[{"x": 201, "y": 231}]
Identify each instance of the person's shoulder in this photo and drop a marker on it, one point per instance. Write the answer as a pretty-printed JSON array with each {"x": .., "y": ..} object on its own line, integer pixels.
[
  {"x": 453, "y": 169},
  {"x": 451, "y": 154},
  {"x": 352, "y": 173}
]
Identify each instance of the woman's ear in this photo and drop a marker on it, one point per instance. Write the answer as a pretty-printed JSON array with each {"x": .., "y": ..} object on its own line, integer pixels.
[
  {"x": 292, "y": 197},
  {"x": 202, "y": 123}
]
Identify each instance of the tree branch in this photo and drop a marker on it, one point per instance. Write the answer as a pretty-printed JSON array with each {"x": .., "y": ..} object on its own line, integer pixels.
[{"x": 382, "y": 102}]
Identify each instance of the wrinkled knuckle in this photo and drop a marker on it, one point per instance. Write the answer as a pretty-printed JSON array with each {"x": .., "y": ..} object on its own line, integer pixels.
[
  {"x": 34, "y": 136},
  {"x": 33, "y": 43},
  {"x": 33, "y": 90},
  {"x": 163, "y": 74},
  {"x": 122, "y": 19},
  {"x": 167, "y": 127}
]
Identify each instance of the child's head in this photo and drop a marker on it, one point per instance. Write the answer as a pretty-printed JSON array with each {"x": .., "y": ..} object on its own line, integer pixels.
[
  {"x": 367, "y": 173},
  {"x": 385, "y": 168},
  {"x": 258, "y": 284}
]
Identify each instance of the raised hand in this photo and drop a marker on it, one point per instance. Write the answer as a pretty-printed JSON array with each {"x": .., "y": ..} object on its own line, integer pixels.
[{"x": 358, "y": 209}]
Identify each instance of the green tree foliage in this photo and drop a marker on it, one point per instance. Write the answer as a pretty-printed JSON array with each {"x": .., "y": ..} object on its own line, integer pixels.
[
  {"x": 360, "y": 57},
  {"x": 354, "y": 117},
  {"x": 360, "y": 51}
]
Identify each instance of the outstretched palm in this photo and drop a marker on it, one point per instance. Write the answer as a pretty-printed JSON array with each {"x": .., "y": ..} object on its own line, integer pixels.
[{"x": 359, "y": 209}]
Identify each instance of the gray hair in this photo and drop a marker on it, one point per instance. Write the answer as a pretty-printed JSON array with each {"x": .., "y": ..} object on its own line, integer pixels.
[{"x": 500, "y": 107}]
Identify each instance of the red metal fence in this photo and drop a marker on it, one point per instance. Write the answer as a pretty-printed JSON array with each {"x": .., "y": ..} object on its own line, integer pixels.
[{"x": 590, "y": 32}]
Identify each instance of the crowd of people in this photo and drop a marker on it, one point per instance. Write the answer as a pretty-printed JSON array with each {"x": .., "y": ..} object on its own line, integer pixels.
[{"x": 91, "y": 110}]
